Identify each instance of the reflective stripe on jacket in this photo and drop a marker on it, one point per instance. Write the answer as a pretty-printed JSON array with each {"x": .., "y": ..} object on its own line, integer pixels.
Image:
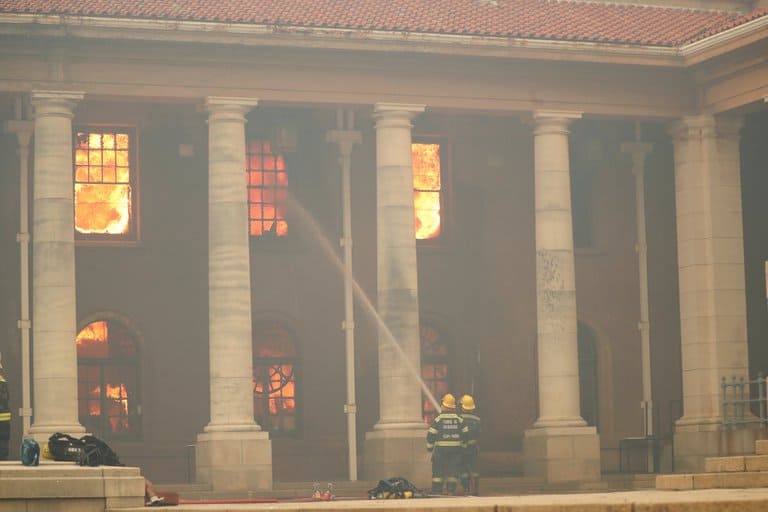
[
  {"x": 5, "y": 410},
  {"x": 446, "y": 430}
]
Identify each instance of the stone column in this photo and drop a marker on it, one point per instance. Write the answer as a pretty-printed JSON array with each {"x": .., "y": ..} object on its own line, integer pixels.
[
  {"x": 396, "y": 446},
  {"x": 54, "y": 312},
  {"x": 559, "y": 447},
  {"x": 710, "y": 253},
  {"x": 233, "y": 453}
]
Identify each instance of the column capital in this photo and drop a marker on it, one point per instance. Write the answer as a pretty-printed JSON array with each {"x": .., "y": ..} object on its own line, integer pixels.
[
  {"x": 54, "y": 103},
  {"x": 386, "y": 109},
  {"x": 394, "y": 115},
  {"x": 39, "y": 96},
  {"x": 229, "y": 107},
  {"x": 705, "y": 126},
  {"x": 566, "y": 115},
  {"x": 23, "y": 130},
  {"x": 345, "y": 139},
  {"x": 219, "y": 102},
  {"x": 552, "y": 121}
]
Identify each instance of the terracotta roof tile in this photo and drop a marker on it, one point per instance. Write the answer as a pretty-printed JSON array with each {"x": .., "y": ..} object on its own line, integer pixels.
[{"x": 538, "y": 19}]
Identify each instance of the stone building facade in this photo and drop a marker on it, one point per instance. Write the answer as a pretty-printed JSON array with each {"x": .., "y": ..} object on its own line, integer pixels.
[{"x": 254, "y": 300}]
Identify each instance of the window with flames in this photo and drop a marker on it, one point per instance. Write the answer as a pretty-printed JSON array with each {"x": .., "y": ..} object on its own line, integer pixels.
[
  {"x": 104, "y": 180},
  {"x": 107, "y": 380},
  {"x": 434, "y": 368},
  {"x": 275, "y": 368},
  {"x": 427, "y": 189},
  {"x": 267, "y": 180}
]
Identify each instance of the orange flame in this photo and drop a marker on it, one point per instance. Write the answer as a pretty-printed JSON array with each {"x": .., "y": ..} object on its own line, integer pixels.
[
  {"x": 427, "y": 187},
  {"x": 91, "y": 341},
  {"x": 120, "y": 396},
  {"x": 94, "y": 405},
  {"x": 102, "y": 183},
  {"x": 267, "y": 190},
  {"x": 102, "y": 208}
]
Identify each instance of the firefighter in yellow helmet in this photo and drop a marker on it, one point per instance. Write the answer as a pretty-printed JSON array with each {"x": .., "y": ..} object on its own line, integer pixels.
[
  {"x": 470, "y": 479},
  {"x": 5, "y": 415},
  {"x": 446, "y": 438}
]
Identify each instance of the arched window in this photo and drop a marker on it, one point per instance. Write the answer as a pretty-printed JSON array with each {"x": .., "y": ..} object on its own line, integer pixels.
[
  {"x": 275, "y": 369},
  {"x": 588, "y": 374},
  {"x": 107, "y": 380},
  {"x": 434, "y": 367}
]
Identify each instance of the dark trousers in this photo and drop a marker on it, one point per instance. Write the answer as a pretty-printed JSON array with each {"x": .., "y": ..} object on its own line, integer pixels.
[
  {"x": 470, "y": 479},
  {"x": 5, "y": 435},
  {"x": 446, "y": 463}
]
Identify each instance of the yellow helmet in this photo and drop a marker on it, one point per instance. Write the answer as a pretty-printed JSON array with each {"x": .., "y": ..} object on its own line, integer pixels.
[
  {"x": 468, "y": 403},
  {"x": 449, "y": 401},
  {"x": 46, "y": 452}
]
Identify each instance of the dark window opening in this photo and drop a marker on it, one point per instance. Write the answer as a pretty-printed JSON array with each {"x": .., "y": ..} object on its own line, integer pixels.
[
  {"x": 275, "y": 369},
  {"x": 434, "y": 368},
  {"x": 588, "y": 390},
  {"x": 107, "y": 380}
]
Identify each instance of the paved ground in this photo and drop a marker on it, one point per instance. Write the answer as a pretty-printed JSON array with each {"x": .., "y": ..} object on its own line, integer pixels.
[{"x": 714, "y": 500}]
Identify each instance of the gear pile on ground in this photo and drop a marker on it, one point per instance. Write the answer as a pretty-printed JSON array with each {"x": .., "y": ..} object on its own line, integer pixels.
[{"x": 394, "y": 488}]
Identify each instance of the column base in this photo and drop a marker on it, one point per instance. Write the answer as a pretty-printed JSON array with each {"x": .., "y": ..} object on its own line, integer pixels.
[
  {"x": 234, "y": 461},
  {"x": 41, "y": 433},
  {"x": 397, "y": 452},
  {"x": 562, "y": 454},
  {"x": 695, "y": 441}
]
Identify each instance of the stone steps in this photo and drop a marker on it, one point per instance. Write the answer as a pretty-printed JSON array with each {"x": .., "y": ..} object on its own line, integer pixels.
[
  {"x": 489, "y": 486},
  {"x": 731, "y": 472}
]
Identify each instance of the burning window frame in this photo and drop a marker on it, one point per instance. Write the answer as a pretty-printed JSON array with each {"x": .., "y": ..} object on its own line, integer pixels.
[
  {"x": 430, "y": 359},
  {"x": 127, "y": 364},
  {"x": 443, "y": 191},
  {"x": 279, "y": 222},
  {"x": 261, "y": 333},
  {"x": 132, "y": 233}
]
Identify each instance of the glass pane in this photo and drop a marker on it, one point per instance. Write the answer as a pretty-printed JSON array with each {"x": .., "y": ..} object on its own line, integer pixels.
[
  {"x": 122, "y": 141},
  {"x": 102, "y": 208},
  {"x": 94, "y": 140},
  {"x": 92, "y": 341},
  {"x": 109, "y": 141}
]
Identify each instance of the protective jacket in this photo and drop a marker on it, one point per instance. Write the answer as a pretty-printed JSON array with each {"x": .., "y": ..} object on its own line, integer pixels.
[
  {"x": 446, "y": 431},
  {"x": 5, "y": 406},
  {"x": 472, "y": 424}
]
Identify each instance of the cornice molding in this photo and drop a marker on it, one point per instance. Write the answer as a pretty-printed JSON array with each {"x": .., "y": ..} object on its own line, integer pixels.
[{"x": 90, "y": 27}]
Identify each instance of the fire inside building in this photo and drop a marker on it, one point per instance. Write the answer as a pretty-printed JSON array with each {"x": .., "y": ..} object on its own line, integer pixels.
[{"x": 255, "y": 242}]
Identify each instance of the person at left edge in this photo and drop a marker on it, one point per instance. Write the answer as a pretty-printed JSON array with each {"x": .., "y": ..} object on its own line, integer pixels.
[{"x": 5, "y": 415}]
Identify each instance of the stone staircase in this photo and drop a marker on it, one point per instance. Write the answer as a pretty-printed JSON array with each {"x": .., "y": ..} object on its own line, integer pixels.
[
  {"x": 489, "y": 486},
  {"x": 733, "y": 472}
]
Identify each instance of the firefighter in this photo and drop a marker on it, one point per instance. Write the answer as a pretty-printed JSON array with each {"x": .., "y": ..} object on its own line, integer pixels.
[
  {"x": 470, "y": 479},
  {"x": 446, "y": 438},
  {"x": 5, "y": 415}
]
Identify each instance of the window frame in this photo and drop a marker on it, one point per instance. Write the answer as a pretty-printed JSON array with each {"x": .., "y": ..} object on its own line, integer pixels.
[
  {"x": 262, "y": 239},
  {"x": 133, "y": 362},
  {"x": 295, "y": 360},
  {"x": 446, "y": 359},
  {"x": 446, "y": 161},
  {"x": 133, "y": 237}
]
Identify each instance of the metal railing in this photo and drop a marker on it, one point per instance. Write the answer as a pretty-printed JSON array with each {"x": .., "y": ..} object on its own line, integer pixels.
[{"x": 743, "y": 401}]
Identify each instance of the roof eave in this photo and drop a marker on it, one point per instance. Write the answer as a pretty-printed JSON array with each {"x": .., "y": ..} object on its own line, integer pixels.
[
  {"x": 725, "y": 41},
  {"x": 92, "y": 27}
]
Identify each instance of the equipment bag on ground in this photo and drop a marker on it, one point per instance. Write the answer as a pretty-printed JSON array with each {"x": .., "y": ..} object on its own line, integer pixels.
[
  {"x": 393, "y": 488},
  {"x": 86, "y": 451},
  {"x": 64, "y": 447}
]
